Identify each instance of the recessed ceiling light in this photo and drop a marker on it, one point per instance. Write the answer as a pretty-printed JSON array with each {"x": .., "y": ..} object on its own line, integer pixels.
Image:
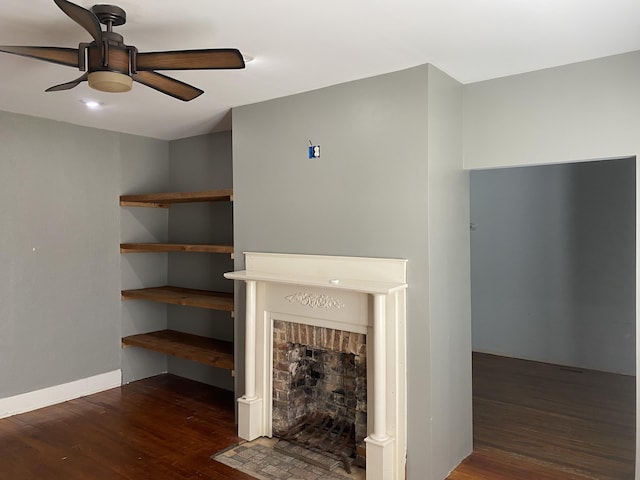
[
  {"x": 92, "y": 104},
  {"x": 247, "y": 58}
]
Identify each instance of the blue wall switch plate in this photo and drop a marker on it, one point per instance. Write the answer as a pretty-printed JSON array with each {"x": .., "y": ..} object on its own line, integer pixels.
[{"x": 314, "y": 151}]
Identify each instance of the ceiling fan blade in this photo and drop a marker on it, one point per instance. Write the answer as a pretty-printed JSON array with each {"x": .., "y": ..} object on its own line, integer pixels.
[
  {"x": 83, "y": 17},
  {"x": 61, "y": 56},
  {"x": 170, "y": 86},
  {"x": 214, "y": 58},
  {"x": 68, "y": 85}
]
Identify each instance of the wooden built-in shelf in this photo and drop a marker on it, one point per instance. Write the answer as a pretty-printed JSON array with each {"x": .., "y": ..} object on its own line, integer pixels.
[
  {"x": 174, "y": 247},
  {"x": 187, "y": 297},
  {"x": 208, "y": 351},
  {"x": 204, "y": 350},
  {"x": 165, "y": 200}
]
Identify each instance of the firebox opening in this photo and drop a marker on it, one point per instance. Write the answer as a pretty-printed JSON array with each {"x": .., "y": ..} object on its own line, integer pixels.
[{"x": 319, "y": 394}]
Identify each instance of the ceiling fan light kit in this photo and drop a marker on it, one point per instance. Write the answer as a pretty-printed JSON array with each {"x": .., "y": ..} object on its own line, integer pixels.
[
  {"x": 111, "y": 82},
  {"x": 112, "y": 66}
]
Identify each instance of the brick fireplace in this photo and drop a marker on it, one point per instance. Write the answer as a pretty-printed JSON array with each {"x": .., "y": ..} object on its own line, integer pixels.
[
  {"x": 321, "y": 373},
  {"x": 328, "y": 334}
]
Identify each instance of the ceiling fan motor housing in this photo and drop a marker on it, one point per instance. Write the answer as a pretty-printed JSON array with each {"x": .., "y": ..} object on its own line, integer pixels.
[
  {"x": 110, "y": 63},
  {"x": 110, "y": 55}
]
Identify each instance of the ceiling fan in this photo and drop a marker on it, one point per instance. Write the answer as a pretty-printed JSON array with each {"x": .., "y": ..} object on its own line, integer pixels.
[{"x": 112, "y": 66}]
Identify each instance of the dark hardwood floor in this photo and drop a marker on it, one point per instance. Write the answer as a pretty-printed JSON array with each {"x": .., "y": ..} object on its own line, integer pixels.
[
  {"x": 160, "y": 428},
  {"x": 542, "y": 421},
  {"x": 531, "y": 421}
]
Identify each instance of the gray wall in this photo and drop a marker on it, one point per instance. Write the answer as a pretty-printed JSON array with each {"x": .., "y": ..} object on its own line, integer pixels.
[
  {"x": 145, "y": 169},
  {"x": 61, "y": 317},
  {"x": 201, "y": 163},
  {"x": 60, "y": 282},
  {"x": 368, "y": 195},
  {"x": 583, "y": 111},
  {"x": 448, "y": 285},
  {"x": 551, "y": 276}
]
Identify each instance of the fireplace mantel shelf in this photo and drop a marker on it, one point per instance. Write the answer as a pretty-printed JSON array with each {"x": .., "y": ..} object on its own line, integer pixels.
[{"x": 353, "y": 285}]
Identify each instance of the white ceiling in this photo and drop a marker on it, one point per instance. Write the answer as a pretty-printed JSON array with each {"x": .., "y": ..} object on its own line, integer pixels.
[{"x": 301, "y": 45}]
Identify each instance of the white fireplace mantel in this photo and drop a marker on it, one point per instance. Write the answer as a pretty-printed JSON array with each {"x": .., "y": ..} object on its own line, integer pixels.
[{"x": 365, "y": 295}]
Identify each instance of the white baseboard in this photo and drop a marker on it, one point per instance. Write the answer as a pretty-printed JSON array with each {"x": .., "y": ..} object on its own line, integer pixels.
[{"x": 26, "y": 402}]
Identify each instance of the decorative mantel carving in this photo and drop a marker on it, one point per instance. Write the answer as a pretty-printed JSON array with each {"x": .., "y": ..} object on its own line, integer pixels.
[
  {"x": 314, "y": 300},
  {"x": 383, "y": 320}
]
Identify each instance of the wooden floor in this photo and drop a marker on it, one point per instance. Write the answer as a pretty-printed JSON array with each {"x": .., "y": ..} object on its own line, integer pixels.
[
  {"x": 542, "y": 421},
  {"x": 531, "y": 421},
  {"x": 163, "y": 428}
]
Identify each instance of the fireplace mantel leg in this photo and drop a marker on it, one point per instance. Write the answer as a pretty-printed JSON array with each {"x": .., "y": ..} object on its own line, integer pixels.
[
  {"x": 379, "y": 370},
  {"x": 379, "y": 443},
  {"x": 250, "y": 405},
  {"x": 250, "y": 344}
]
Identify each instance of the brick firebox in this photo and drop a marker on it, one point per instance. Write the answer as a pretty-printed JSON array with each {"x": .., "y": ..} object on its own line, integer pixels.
[{"x": 321, "y": 371}]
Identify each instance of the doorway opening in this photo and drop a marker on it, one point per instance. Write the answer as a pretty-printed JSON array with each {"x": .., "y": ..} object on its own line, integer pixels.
[{"x": 553, "y": 273}]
